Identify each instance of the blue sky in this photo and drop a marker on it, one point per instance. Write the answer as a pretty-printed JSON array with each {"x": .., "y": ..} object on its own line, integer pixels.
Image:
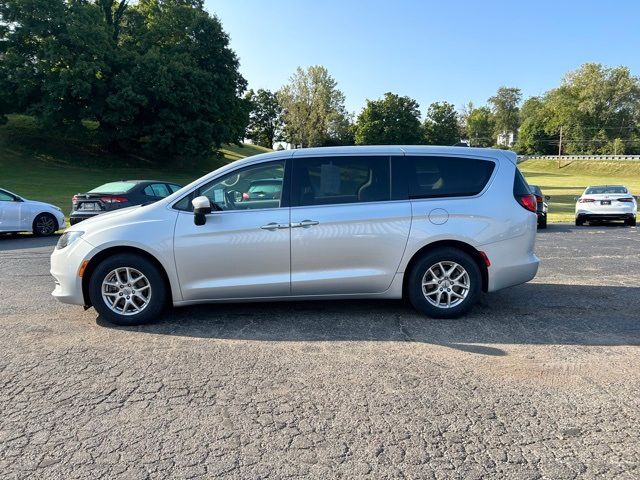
[{"x": 457, "y": 51}]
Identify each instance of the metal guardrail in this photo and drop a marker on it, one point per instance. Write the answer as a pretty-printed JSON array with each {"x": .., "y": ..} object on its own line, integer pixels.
[{"x": 573, "y": 158}]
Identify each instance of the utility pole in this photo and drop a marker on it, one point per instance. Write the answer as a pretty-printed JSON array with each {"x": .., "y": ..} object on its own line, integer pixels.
[{"x": 560, "y": 147}]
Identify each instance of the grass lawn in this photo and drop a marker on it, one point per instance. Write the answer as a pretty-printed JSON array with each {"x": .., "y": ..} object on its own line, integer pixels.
[
  {"x": 566, "y": 183},
  {"x": 52, "y": 168}
]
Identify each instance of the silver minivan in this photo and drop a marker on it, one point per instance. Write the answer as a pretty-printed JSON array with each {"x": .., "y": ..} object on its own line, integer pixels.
[{"x": 437, "y": 225}]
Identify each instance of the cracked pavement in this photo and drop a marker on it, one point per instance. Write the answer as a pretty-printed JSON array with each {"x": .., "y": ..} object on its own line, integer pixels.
[{"x": 539, "y": 381}]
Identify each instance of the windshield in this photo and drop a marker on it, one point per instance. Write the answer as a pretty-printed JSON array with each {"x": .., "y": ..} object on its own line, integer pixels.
[
  {"x": 114, "y": 187},
  {"x": 605, "y": 189}
]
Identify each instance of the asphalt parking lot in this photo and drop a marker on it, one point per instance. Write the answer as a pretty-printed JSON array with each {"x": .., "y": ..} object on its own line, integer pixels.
[{"x": 540, "y": 381}]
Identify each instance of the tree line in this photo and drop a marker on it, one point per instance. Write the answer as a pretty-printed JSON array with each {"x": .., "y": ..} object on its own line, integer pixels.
[
  {"x": 158, "y": 78},
  {"x": 597, "y": 109}
]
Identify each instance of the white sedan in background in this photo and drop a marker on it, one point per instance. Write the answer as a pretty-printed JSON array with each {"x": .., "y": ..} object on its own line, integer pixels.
[
  {"x": 606, "y": 203},
  {"x": 17, "y": 214}
]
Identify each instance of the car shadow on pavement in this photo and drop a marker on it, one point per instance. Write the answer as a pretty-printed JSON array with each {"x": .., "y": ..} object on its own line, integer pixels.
[
  {"x": 534, "y": 314},
  {"x": 23, "y": 241}
]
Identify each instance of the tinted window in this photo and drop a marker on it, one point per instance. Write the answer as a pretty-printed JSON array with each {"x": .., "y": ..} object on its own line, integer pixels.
[
  {"x": 446, "y": 176},
  {"x": 605, "y": 189},
  {"x": 5, "y": 197},
  {"x": 156, "y": 190},
  {"x": 520, "y": 185},
  {"x": 114, "y": 187},
  {"x": 233, "y": 191},
  {"x": 174, "y": 188},
  {"x": 334, "y": 180}
]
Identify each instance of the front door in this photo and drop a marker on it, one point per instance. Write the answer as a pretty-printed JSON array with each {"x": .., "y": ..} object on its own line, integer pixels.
[
  {"x": 10, "y": 212},
  {"x": 242, "y": 251},
  {"x": 347, "y": 235}
]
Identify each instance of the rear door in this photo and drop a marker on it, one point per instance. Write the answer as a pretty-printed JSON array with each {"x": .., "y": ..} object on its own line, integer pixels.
[{"x": 347, "y": 234}]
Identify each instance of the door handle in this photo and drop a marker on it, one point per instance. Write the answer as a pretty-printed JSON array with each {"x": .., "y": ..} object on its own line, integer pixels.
[
  {"x": 274, "y": 226},
  {"x": 304, "y": 224}
]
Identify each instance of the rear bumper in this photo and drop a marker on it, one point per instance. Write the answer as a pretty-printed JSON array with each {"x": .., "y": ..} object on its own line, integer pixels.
[
  {"x": 605, "y": 216},
  {"x": 512, "y": 261},
  {"x": 78, "y": 217}
]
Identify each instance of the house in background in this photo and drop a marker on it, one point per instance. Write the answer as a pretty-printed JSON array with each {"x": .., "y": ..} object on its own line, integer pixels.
[{"x": 506, "y": 139}]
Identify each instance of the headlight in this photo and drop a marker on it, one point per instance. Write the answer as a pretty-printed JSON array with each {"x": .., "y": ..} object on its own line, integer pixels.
[{"x": 68, "y": 238}]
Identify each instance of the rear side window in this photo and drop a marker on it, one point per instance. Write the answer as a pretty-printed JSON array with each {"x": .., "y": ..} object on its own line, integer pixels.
[
  {"x": 336, "y": 180},
  {"x": 520, "y": 185},
  {"x": 157, "y": 190},
  {"x": 432, "y": 177}
]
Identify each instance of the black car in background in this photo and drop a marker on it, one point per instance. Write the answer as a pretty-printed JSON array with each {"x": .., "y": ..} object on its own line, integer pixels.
[
  {"x": 543, "y": 207},
  {"x": 115, "y": 195}
]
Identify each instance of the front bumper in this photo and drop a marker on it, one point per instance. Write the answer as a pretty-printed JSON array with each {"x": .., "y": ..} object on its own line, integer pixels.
[{"x": 65, "y": 265}]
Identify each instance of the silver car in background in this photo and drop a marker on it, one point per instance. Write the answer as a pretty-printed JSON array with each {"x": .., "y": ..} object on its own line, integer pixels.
[{"x": 438, "y": 225}]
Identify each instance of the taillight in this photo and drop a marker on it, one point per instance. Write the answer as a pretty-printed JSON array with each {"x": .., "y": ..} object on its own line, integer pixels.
[
  {"x": 586, "y": 200},
  {"x": 539, "y": 199},
  {"x": 114, "y": 199},
  {"x": 626, "y": 200},
  {"x": 74, "y": 200},
  {"x": 528, "y": 202},
  {"x": 245, "y": 196}
]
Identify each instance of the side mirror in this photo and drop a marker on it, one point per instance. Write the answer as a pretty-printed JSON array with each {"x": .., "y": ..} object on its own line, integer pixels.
[
  {"x": 201, "y": 207},
  {"x": 547, "y": 197}
]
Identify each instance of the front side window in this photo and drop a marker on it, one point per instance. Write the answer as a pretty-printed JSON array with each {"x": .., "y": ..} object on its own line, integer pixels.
[
  {"x": 257, "y": 186},
  {"x": 6, "y": 197},
  {"x": 432, "y": 177},
  {"x": 336, "y": 180}
]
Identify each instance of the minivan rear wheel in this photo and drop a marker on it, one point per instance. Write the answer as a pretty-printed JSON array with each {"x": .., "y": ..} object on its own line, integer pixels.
[
  {"x": 127, "y": 289},
  {"x": 444, "y": 283}
]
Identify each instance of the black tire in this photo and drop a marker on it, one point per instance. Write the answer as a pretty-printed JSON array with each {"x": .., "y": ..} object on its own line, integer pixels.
[
  {"x": 579, "y": 222},
  {"x": 157, "y": 299},
  {"x": 542, "y": 222},
  {"x": 44, "y": 225},
  {"x": 630, "y": 222},
  {"x": 419, "y": 299}
]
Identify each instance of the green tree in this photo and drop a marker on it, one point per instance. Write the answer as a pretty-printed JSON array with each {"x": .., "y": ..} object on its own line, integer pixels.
[
  {"x": 391, "y": 120},
  {"x": 505, "y": 109},
  {"x": 532, "y": 136},
  {"x": 480, "y": 127},
  {"x": 314, "y": 112},
  {"x": 158, "y": 76},
  {"x": 594, "y": 105},
  {"x": 441, "y": 125},
  {"x": 265, "y": 119}
]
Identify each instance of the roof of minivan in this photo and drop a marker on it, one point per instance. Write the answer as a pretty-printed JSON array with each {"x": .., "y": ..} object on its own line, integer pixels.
[{"x": 384, "y": 149}]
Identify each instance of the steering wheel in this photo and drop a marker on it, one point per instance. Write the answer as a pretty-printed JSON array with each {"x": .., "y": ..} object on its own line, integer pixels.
[{"x": 230, "y": 197}]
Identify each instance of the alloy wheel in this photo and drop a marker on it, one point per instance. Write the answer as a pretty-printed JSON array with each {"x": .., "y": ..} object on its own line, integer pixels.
[
  {"x": 45, "y": 225},
  {"x": 126, "y": 291},
  {"x": 445, "y": 284}
]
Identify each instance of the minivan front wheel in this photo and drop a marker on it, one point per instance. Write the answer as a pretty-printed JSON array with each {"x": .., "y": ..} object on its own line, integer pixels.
[
  {"x": 445, "y": 283},
  {"x": 127, "y": 289}
]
